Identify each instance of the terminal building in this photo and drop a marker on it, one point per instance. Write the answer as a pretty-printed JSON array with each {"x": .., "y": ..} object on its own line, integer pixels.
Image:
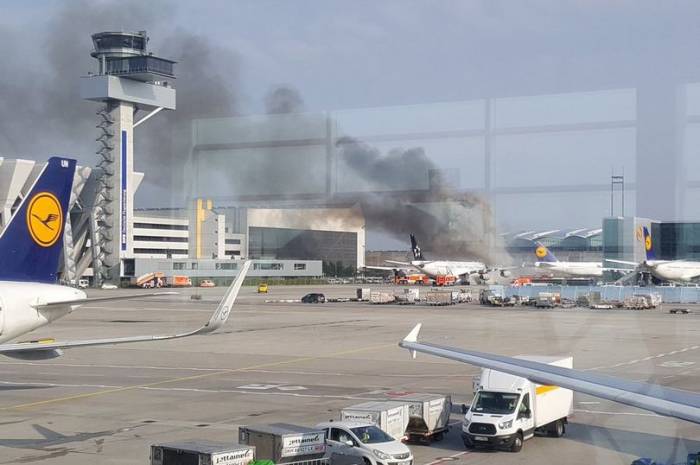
[{"x": 202, "y": 240}]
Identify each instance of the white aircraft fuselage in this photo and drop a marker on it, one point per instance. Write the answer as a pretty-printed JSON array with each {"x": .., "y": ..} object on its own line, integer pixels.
[
  {"x": 443, "y": 267},
  {"x": 18, "y": 315},
  {"x": 573, "y": 268},
  {"x": 674, "y": 270}
]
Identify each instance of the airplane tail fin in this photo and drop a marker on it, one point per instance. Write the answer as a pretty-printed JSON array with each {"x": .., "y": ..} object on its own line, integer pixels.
[
  {"x": 32, "y": 242},
  {"x": 543, "y": 254},
  {"x": 648, "y": 245},
  {"x": 417, "y": 253}
]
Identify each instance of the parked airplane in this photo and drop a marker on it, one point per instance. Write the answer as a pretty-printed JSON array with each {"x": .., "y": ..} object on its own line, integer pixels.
[
  {"x": 434, "y": 268},
  {"x": 666, "y": 401},
  {"x": 669, "y": 270},
  {"x": 30, "y": 248},
  {"x": 546, "y": 259}
]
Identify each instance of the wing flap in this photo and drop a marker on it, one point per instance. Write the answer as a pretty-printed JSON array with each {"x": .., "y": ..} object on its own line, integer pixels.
[{"x": 62, "y": 303}]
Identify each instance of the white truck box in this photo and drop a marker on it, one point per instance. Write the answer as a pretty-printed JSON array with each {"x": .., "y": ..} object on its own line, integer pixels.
[
  {"x": 187, "y": 452},
  {"x": 389, "y": 416}
]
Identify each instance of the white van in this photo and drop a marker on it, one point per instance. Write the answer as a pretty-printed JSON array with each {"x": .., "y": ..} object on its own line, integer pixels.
[
  {"x": 507, "y": 410},
  {"x": 353, "y": 442}
]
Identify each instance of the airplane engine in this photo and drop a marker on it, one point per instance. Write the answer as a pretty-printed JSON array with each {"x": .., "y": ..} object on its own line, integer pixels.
[{"x": 506, "y": 273}]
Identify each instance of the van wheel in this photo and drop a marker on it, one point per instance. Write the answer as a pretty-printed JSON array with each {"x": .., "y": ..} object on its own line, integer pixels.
[
  {"x": 439, "y": 436},
  {"x": 468, "y": 443},
  {"x": 557, "y": 429},
  {"x": 517, "y": 443},
  {"x": 366, "y": 461}
]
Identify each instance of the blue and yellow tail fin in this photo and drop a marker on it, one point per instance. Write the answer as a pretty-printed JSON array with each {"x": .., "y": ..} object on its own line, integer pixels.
[
  {"x": 648, "y": 244},
  {"x": 543, "y": 254},
  {"x": 32, "y": 242}
]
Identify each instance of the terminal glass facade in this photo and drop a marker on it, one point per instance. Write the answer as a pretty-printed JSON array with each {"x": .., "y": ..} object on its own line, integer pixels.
[{"x": 293, "y": 244}]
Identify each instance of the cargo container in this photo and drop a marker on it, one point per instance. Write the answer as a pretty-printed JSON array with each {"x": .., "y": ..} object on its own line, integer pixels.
[
  {"x": 391, "y": 417},
  {"x": 201, "y": 452},
  {"x": 428, "y": 415},
  {"x": 438, "y": 298},
  {"x": 377, "y": 297},
  {"x": 407, "y": 297},
  {"x": 363, "y": 294},
  {"x": 284, "y": 443}
]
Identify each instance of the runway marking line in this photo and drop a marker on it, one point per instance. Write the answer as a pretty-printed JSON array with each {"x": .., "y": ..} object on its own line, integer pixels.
[
  {"x": 645, "y": 359},
  {"x": 187, "y": 378}
]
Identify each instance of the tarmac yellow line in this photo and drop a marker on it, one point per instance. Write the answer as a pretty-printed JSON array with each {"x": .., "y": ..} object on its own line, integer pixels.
[{"x": 188, "y": 378}]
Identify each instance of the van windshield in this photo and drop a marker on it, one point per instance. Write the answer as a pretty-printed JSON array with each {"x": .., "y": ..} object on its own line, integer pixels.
[
  {"x": 495, "y": 402},
  {"x": 371, "y": 435}
]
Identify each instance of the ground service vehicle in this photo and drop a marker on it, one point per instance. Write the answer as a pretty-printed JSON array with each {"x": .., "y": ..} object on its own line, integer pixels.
[
  {"x": 207, "y": 283},
  {"x": 262, "y": 288},
  {"x": 314, "y": 298},
  {"x": 361, "y": 442},
  {"x": 151, "y": 280},
  {"x": 507, "y": 409},
  {"x": 179, "y": 281}
]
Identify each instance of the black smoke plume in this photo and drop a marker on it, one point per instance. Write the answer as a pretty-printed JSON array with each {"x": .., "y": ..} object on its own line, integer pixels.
[
  {"x": 411, "y": 195},
  {"x": 40, "y": 105}
]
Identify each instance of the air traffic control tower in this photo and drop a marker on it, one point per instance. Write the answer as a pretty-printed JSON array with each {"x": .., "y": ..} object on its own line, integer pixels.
[{"x": 129, "y": 80}]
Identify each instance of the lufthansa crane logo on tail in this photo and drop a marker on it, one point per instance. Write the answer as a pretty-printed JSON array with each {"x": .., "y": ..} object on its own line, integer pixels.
[
  {"x": 639, "y": 233},
  {"x": 45, "y": 219},
  {"x": 647, "y": 243},
  {"x": 541, "y": 252}
]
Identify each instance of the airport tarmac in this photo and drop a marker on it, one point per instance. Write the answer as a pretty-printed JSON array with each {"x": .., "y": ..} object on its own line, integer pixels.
[{"x": 301, "y": 363}]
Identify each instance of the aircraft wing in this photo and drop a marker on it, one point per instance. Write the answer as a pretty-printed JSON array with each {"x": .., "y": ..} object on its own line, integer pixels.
[
  {"x": 393, "y": 262},
  {"x": 405, "y": 265},
  {"x": 623, "y": 262},
  {"x": 217, "y": 319},
  {"x": 382, "y": 268},
  {"x": 40, "y": 305},
  {"x": 658, "y": 399}
]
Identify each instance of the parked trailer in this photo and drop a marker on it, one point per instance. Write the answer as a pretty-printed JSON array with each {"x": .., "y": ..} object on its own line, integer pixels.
[
  {"x": 389, "y": 416},
  {"x": 285, "y": 443},
  {"x": 201, "y": 452},
  {"x": 428, "y": 415},
  {"x": 438, "y": 298}
]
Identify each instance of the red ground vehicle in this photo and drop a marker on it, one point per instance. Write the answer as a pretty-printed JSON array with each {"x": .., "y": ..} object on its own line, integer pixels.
[{"x": 445, "y": 280}]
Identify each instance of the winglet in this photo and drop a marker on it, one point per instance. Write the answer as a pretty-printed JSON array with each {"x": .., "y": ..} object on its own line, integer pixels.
[
  {"x": 413, "y": 337},
  {"x": 224, "y": 309}
]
